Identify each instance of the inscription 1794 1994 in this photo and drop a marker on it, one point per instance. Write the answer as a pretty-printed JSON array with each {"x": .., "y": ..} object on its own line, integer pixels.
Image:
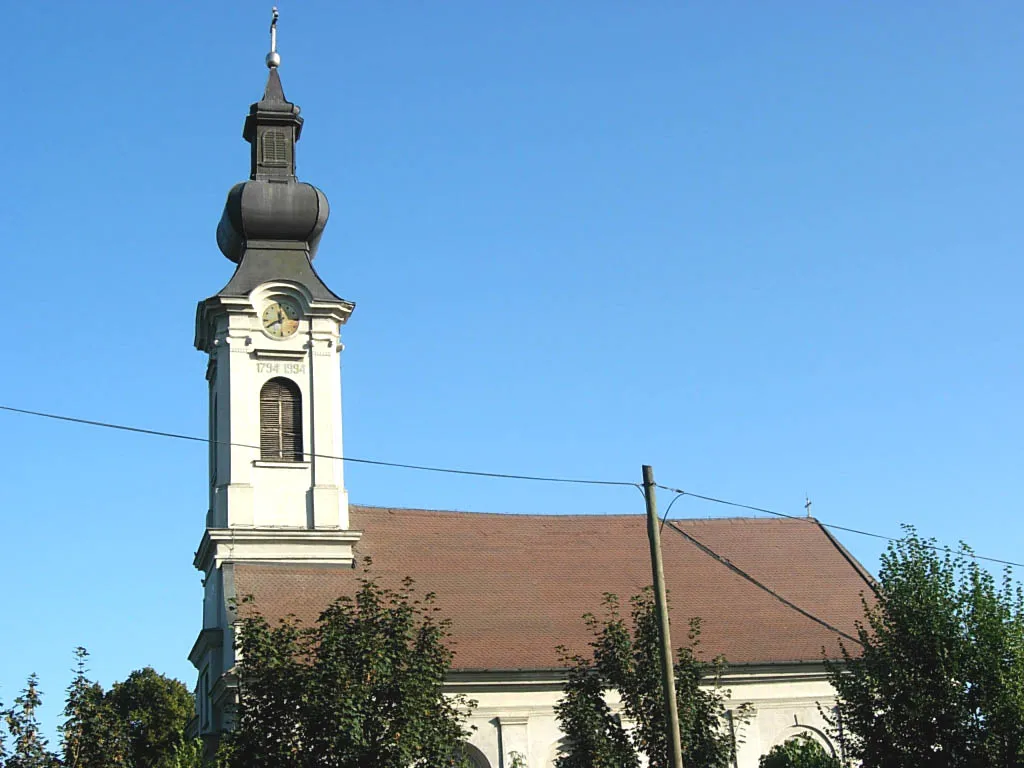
[{"x": 280, "y": 367}]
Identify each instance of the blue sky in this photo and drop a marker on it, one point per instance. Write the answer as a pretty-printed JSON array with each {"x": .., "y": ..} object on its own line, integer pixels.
[{"x": 770, "y": 248}]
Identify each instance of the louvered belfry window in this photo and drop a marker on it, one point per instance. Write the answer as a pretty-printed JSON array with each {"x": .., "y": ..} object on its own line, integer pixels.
[
  {"x": 275, "y": 148},
  {"x": 280, "y": 421}
]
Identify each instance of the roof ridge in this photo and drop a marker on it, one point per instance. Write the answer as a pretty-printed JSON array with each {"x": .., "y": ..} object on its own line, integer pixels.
[
  {"x": 562, "y": 516},
  {"x": 863, "y": 572},
  {"x": 555, "y": 515}
]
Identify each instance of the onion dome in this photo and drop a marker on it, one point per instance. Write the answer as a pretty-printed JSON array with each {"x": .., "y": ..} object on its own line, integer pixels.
[{"x": 273, "y": 207}]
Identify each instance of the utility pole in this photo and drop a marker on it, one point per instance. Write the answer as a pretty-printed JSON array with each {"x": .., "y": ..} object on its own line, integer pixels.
[{"x": 667, "y": 673}]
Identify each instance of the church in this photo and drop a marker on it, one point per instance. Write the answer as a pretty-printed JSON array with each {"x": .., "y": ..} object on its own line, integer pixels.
[{"x": 774, "y": 595}]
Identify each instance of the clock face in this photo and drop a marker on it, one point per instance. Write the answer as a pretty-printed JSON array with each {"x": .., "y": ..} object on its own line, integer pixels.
[{"x": 280, "y": 318}]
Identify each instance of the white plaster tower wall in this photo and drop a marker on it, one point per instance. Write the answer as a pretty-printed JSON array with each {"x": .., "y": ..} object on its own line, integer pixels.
[{"x": 248, "y": 491}]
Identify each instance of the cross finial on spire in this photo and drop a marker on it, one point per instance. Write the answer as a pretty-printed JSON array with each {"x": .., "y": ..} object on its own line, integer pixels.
[
  {"x": 807, "y": 505},
  {"x": 273, "y": 58}
]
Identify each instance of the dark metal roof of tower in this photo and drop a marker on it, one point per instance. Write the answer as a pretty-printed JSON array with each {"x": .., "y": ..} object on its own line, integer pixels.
[
  {"x": 275, "y": 112},
  {"x": 272, "y": 224}
]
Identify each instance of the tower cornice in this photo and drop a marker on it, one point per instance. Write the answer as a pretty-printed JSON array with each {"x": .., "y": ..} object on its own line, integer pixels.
[
  {"x": 275, "y": 545},
  {"x": 217, "y": 306}
]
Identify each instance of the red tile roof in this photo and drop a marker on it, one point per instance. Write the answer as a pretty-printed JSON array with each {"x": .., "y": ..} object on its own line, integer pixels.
[{"x": 515, "y": 586}]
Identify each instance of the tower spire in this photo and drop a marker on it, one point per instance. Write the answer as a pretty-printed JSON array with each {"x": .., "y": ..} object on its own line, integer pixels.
[
  {"x": 273, "y": 125},
  {"x": 273, "y": 206}
]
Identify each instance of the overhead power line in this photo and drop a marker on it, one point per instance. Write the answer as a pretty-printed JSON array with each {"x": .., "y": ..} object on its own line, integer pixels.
[
  {"x": 496, "y": 475},
  {"x": 832, "y": 526},
  {"x": 352, "y": 459},
  {"x": 760, "y": 585}
]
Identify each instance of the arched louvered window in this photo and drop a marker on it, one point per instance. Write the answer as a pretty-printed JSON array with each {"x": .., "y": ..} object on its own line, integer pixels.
[{"x": 280, "y": 421}]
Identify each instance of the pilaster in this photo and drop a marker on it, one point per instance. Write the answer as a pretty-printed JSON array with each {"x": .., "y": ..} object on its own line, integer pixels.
[{"x": 514, "y": 737}]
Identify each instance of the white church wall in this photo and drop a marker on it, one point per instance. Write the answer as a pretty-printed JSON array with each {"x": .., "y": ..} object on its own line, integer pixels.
[{"x": 520, "y": 717}]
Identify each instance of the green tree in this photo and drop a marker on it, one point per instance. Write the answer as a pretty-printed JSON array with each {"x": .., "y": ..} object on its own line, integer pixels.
[
  {"x": 799, "y": 752},
  {"x": 28, "y": 743},
  {"x": 190, "y": 754},
  {"x": 363, "y": 688},
  {"x": 155, "y": 710},
  {"x": 3, "y": 737},
  {"x": 93, "y": 736},
  {"x": 594, "y": 733},
  {"x": 937, "y": 680},
  {"x": 626, "y": 661}
]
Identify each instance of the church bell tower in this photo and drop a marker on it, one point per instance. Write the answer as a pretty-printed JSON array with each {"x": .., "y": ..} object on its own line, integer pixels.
[{"x": 273, "y": 339}]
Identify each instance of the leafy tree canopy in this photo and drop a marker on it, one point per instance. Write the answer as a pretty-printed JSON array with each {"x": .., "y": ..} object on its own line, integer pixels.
[
  {"x": 800, "y": 752},
  {"x": 138, "y": 724},
  {"x": 938, "y": 678},
  {"x": 155, "y": 710},
  {"x": 625, "y": 658},
  {"x": 363, "y": 688}
]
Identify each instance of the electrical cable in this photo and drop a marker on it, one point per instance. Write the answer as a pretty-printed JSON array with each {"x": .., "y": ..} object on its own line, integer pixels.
[
  {"x": 668, "y": 509},
  {"x": 353, "y": 459},
  {"x": 496, "y": 475},
  {"x": 833, "y": 526},
  {"x": 740, "y": 572}
]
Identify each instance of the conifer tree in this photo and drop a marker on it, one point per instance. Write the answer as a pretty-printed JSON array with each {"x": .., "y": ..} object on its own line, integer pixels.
[
  {"x": 93, "y": 734},
  {"x": 3, "y": 737},
  {"x": 28, "y": 744}
]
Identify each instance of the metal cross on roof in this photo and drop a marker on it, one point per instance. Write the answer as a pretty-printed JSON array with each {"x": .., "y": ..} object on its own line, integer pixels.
[{"x": 273, "y": 58}]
